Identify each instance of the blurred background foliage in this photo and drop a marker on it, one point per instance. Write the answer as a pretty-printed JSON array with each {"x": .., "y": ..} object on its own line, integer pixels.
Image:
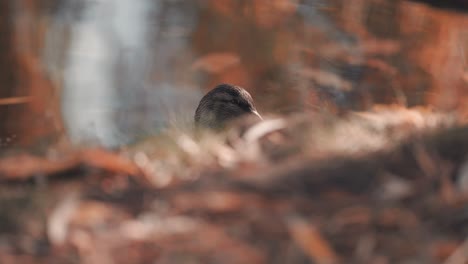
[
  {"x": 109, "y": 72},
  {"x": 326, "y": 185}
]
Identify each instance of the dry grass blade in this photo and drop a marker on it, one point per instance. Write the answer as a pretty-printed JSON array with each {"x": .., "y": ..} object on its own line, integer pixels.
[
  {"x": 308, "y": 238},
  {"x": 24, "y": 166},
  {"x": 109, "y": 161},
  {"x": 460, "y": 255}
]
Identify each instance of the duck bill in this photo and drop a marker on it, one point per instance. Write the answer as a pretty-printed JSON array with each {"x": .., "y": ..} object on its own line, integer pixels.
[{"x": 254, "y": 112}]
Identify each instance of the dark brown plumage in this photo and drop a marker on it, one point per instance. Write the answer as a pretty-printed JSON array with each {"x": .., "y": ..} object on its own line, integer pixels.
[{"x": 224, "y": 103}]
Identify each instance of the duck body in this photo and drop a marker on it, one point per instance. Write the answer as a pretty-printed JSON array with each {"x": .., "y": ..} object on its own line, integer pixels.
[{"x": 223, "y": 104}]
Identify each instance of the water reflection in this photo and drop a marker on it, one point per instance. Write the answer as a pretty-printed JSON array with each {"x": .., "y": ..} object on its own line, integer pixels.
[{"x": 109, "y": 92}]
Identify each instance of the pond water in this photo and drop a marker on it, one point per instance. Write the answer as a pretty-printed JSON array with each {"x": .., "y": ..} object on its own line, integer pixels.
[{"x": 126, "y": 69}]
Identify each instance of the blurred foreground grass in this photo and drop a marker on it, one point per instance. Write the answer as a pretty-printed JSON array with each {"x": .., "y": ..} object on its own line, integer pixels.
[{"x": 385, "y": 185}]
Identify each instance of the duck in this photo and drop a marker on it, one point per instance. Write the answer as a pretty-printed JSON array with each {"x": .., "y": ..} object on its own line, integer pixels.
[{"x": 224, "y": 104}]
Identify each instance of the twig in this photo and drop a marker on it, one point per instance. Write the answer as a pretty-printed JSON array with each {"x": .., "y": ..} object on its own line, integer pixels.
[{"x": 15, "y": 100}]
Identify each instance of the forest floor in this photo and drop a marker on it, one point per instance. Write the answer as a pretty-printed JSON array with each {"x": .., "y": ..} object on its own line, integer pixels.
[{"x": 386, "y": 186}]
